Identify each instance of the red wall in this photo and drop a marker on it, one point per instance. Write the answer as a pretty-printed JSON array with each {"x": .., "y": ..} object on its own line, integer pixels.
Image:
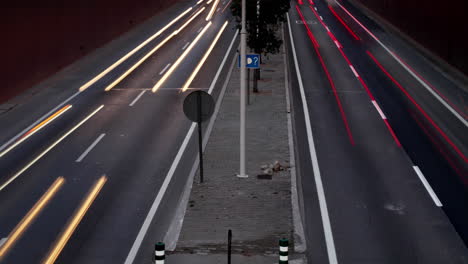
[
  {"x": 36, "y": 42},
  {"x": 440, "y": 26}
]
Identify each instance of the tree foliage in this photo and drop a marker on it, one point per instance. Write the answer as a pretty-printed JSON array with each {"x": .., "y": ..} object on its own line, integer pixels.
[{"x": 262, "y": 28}]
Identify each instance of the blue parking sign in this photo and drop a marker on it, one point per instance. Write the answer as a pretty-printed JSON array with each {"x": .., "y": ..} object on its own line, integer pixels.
[{"x": 252, "y": 61}]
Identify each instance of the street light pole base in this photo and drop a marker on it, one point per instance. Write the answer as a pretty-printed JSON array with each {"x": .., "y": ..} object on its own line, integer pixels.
[{"x": 242, "y": 176}]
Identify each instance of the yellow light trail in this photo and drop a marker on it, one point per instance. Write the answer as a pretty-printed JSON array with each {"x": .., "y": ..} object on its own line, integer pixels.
[
  {"x": 129, "y": 71},
  {"x": 74, "y": 221},
  {"x": 124, "y": 58},
  {"x": 36, "y": 129},
  {"x": 180, "y": 59},
  {"x": 31, "y": 216},
  {"x": 202, "y": 61},
  {"x": 213, "y": 9},
  {"x": 49, "y": 148}
]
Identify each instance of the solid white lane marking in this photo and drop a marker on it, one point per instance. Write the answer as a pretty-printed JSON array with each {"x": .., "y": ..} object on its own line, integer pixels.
[
  {"x": 137, "y": 98},
  {"x": 354, "y": 70},
  {"x": 427, "y": 186},
  {"x": 90, "y": 148},
  {"x": 185, "y": 46},
  {"x": 442, "y": 101},
  {"x": 42, "y": 118},
  {"x": 165, "y": 68},
  {"x": 315, "y": 165},
  {"x": 382, "y": 115},
  {"x": 49, "y": 148},
  {"x": 154, "y": 207}
]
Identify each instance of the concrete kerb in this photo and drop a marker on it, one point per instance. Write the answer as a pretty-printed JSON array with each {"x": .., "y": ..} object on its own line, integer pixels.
[
  {"x": 173, "y": 233},
  {"x": 299, "y": 236}
]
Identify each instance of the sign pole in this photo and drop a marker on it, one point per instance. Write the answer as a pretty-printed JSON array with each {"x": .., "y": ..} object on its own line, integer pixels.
[
  {"x": 200, "y": 140},
  {"x": 243, "y": 44}
]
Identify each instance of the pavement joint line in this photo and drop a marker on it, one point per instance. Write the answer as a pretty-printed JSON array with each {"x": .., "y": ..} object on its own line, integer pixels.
[
  {"x": 330, "y": 244},
  {"x": 138, "y": 97},
  {"x": 300, "y": 245},
  {"x": 427, "y": 186},
  {"x": 186, "y": 44},
  {"x": 154, "y": 207},
  {"x": 42, "y": 118},
  {"x": 90, "y": 147},
  {"x": 165, "y": 68},
  {"x": 172, "y": 236},
  {"x": 457, "y": 115}
]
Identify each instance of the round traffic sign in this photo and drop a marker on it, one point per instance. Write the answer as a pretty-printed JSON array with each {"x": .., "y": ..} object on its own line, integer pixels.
[{"x": 199, "y": 106}]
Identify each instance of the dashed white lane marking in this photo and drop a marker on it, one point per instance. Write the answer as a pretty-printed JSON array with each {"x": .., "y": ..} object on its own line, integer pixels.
[
  {"x": 321, "y": 18},
  {"x": 327, "y": 28},
  {"x": 90, "y": 148},
  {"x": 137, "y": 98},
  {"x": 165, "y": 68},
  {"x": 382, "y": 115},
  {"x": 219, "y": 8},
  {"x": 154, "y": 207},
  {"x": 427, "y": 186},
  {"x": 315, "y": 8},
  {"x": 3, "y": 240},
  {"x": 198, "y": 31},
  {"x": 315, "y": 165},
  {"x": 337, "y": 44},
  {"x": 429, "y": 89},
  {"x": 354, "y": 70},
  {"x": 185, "y": 46}
]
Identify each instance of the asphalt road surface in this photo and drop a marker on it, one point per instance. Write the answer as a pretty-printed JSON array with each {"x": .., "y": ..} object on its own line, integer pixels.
[
  {"x": 364, "y": 125},
  {"x": 100, "y": 164},
  {"x": 381, "y": 153}
]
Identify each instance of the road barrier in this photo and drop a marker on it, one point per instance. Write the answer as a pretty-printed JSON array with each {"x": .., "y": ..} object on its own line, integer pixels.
[
  {"x": 283, "y": 251},
  {"x": 159, "y": 253}
]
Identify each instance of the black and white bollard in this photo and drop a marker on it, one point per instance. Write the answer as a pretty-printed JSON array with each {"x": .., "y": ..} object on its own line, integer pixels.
[
  {"x": 159, "y": 253},
  {"x": 283, "y": 251}
]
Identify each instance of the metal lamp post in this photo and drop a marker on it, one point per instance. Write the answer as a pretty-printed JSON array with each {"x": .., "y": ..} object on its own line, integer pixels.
[{"x": 243, "y": 35}]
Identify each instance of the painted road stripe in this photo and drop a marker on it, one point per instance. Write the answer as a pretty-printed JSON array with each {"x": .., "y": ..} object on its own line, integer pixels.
[
  {"x": 35, "y": 129},
  {"x": 382, "y": 115},
  {"x": 42, "y": 118},
  {"x": 185, "y": 46},
  {"x": 165, "y": 68},
  {"x": 90, "y": 148},
  {"x": 157, "y": 201},
  {"x": 427, "y": 186},
  {"x": 315, "y": 165},
  {"x": 125, "y": 57},
  {"x": 200, "y": 29},
  {"x": 464, "y": 122},
  {"x": 137, "y": 98},
  {"x": 354, "y": 71},
  {"x": 48, "y": 149}
]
